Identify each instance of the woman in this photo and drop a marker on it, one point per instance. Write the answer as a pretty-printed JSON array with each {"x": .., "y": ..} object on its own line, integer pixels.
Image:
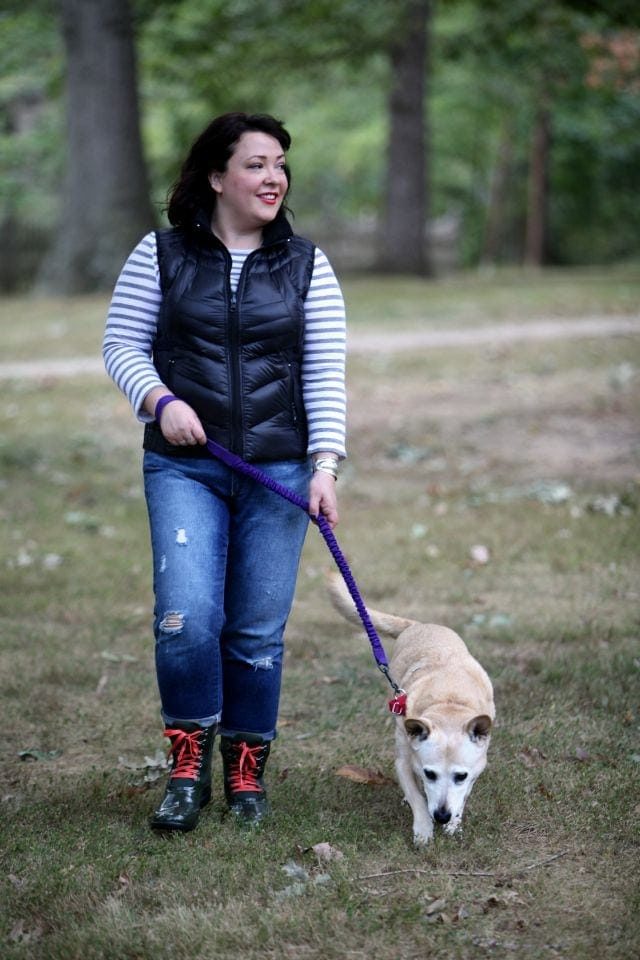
[{"x": 230, "y": 327}]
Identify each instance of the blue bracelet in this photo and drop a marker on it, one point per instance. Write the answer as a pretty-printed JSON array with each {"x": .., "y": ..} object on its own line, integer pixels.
[{"x": 161, "y": 404}]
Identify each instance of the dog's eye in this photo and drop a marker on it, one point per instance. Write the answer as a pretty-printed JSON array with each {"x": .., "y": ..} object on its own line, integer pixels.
[
  {"x": 460, "y": 777},
  {"x": 431, "y": 775}
]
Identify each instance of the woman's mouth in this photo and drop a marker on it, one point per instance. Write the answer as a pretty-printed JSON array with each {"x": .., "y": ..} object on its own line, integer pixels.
[{"x": 269, "y": 198}]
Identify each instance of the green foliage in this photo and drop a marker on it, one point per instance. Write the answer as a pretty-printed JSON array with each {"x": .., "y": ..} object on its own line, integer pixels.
[
  {"x": 324, "y": 69},
  {"x": 522, "y": 55},
  {"x": 31, "y": 145}
]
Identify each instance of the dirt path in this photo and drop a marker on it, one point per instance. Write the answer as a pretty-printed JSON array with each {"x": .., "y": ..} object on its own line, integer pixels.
[{"x": 388, "y": 341}]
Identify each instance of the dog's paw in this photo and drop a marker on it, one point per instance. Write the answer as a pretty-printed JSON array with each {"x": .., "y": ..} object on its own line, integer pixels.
[
  {"x": 422, "y": 838},
  {"x": 453, "y": 828}
]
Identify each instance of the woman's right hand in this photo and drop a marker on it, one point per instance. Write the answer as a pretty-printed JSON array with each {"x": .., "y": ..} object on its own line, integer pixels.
[{"x": 179, "y": 423}]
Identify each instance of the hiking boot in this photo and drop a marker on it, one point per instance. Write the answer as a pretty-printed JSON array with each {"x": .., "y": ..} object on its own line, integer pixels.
[
  {"x": 189, "y": 786},
  {"x": 244, "y": 757}
]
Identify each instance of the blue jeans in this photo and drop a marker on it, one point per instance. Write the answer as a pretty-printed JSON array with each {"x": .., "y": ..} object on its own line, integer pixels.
[{"x": 226, "y": 553}]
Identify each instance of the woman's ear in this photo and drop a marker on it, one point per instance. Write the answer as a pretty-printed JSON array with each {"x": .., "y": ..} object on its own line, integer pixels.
[{"x": 215, "y": 181}]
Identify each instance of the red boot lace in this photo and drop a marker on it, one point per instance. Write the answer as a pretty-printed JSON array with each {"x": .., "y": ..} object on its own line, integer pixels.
[
  {"x": 186, "y": 750},
  {"x": 242, "y": 776}
]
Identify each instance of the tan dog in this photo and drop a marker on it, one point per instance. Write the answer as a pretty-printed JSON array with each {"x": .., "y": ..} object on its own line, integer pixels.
[{"x": 442, "y": 741}]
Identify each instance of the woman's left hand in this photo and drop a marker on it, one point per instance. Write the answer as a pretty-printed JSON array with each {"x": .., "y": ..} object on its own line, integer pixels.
[{"x": 322, "y": 497}]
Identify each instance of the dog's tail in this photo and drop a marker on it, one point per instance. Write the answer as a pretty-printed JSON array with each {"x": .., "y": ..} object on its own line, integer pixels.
[{"x": 341, "y": 600}]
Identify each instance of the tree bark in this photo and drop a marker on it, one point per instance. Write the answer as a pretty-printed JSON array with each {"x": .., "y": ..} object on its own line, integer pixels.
[
  {"x": 403, "y": 245},
  {"x": 537, "y": 201},
  {"x": 106, "y": 206},
  {"x": 495, "y": 225}
]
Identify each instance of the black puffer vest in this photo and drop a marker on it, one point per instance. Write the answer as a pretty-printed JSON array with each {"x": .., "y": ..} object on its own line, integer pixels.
[{"x": 235, "y": 359}]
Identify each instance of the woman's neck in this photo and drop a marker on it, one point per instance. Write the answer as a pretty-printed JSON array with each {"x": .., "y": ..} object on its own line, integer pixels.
[{"x": 237, "y": 238}]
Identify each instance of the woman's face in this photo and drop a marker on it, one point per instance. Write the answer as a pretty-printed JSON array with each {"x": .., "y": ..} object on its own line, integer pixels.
[{"x": 250, "y": 192}]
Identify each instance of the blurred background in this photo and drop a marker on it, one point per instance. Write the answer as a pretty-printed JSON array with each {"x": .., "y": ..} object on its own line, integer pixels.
[{"x": 428, "y": 137}]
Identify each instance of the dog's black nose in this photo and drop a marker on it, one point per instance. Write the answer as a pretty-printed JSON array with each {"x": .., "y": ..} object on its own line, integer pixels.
[{"x": 442, "y": 815}]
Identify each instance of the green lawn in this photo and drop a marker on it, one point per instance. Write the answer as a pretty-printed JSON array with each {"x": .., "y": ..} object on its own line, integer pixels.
[{"x": 531, "y": 451}]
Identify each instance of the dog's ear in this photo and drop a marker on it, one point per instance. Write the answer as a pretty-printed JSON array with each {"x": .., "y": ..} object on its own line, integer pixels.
[
  {"x": 480, "y": 727},
  {"x": 417, "y": 728}
]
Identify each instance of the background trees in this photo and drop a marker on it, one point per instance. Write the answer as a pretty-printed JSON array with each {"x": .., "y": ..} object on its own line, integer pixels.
[
  {"x": 515, "y": 124},
  {"x": 105, "y": 203}
]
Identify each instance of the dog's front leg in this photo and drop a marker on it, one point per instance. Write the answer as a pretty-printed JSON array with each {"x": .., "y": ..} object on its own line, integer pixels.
[{"x": 422, "y": 822}]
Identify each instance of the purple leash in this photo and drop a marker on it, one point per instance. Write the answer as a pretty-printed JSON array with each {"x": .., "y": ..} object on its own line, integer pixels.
[{"x": 249, "y": 470}]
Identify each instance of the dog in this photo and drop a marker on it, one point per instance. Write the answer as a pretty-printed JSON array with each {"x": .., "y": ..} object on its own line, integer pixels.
[{"x": 443, "y": 737}]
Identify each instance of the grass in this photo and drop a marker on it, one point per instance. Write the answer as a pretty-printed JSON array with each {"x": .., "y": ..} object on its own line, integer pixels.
[
  {"x": 36, "y": 328},
  {"x": 448, "y": 449}
]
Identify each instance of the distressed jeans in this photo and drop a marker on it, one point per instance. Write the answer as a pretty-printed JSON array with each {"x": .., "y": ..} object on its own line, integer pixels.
[{"x": 226, "y": 553}]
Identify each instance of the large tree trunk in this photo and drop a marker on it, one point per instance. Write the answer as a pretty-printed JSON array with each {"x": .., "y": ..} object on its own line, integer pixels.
[
  {"x": 106, "y": 206},
  {"x": 537, "y": 201},
  {"x": 402, "y": 243}
]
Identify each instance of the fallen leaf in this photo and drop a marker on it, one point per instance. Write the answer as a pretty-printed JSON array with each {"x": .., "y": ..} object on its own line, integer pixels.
[
  {"x": 123, "y": 884},
  {"x": 582, "y": 754},
  {"x": 325, "y": 852},
  {"x": 479, "y": 553},
  {"x": 531, "y": 756},
  {"x": 21, "y": 934},
  {"x": 544, "y": 791},
  {"x": 609, "y": 505},
  {"x": 506, "y": 899},
  {"x": 157, "y": 762},
  {"x": 436, "y": 906},
  {"x": 33, "y": 754},
  {"x": 294, "y": 890},
  {"x": 358, "y": 774},
  {"x": 295, "y": 871},
  {"x": 321, "y": 878}
]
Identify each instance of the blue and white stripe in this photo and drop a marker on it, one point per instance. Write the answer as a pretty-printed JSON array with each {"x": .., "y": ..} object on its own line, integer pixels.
[{"x": 131, "y": 329}]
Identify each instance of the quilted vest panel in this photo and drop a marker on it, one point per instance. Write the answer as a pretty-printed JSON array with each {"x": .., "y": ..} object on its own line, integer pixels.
[{"x": 236, "y": 359}]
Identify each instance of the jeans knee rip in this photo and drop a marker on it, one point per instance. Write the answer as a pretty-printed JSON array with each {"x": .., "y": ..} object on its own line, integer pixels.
[
  {"x": 172, "y": 622},
  {"x": 265, "y": 664}
]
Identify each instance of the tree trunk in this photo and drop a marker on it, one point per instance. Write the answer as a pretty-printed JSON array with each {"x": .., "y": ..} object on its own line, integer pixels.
[
  {"x": 402, "y": 242},
  {"x": 495, "y": 225},
  {"x": 537, "y": 200},
  {"x": 106, "y": 206}
]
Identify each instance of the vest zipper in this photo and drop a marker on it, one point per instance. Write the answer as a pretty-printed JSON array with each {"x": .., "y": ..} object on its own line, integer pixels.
[
  {"x": 237, "y": 418},
  {"x": 234, "y": 369}
]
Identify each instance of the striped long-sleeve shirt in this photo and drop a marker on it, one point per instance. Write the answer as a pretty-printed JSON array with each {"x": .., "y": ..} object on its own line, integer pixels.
[{"x": 131, "y": 329}]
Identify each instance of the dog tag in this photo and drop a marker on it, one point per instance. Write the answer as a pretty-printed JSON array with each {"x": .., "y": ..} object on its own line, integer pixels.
[{"x": 398, "y": 705}]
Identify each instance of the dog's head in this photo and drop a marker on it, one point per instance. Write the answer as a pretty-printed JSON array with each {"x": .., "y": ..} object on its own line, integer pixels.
[{"x": 448, "y": 760}]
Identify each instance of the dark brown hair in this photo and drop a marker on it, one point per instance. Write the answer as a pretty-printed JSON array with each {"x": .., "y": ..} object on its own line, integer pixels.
[{"x": 192, "y": 194}]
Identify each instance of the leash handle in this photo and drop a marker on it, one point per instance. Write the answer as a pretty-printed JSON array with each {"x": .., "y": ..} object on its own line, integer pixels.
[{"x": 248, "y": 469}]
